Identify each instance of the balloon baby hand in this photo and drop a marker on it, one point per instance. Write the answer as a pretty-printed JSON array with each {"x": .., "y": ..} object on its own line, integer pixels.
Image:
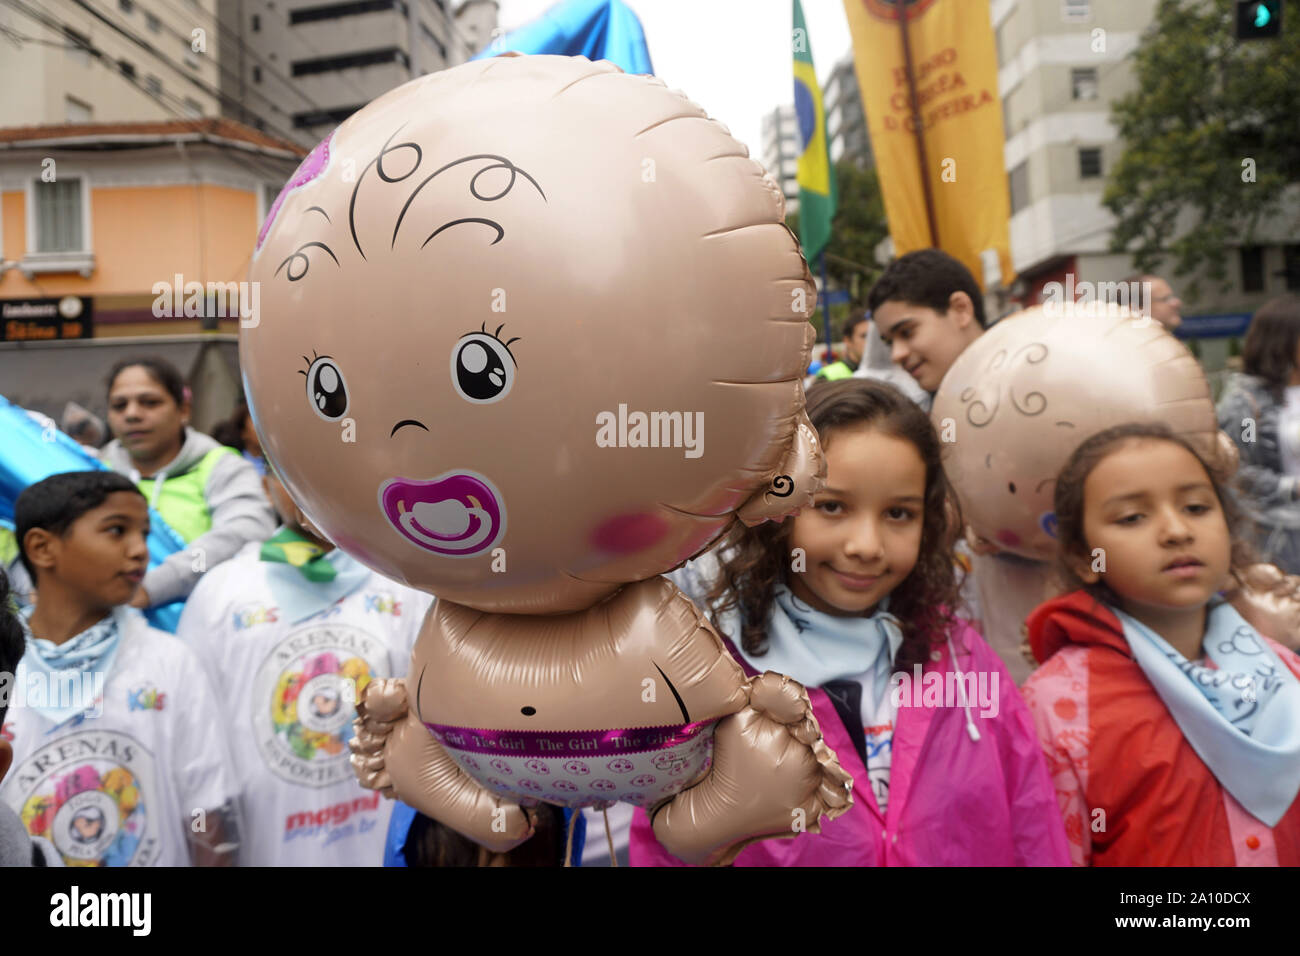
[
  {"x": 772, "y": 776},
  {"x": 1270, "y": 602}
]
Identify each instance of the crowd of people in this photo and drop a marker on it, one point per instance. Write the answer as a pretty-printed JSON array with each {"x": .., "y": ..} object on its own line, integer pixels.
[{"x": 1149, "y": 698}]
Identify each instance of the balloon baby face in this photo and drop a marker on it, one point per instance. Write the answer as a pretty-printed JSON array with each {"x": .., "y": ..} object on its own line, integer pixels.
[
  {"x": 530, "y": 328},
  {"x": 1025, "y": 394}
]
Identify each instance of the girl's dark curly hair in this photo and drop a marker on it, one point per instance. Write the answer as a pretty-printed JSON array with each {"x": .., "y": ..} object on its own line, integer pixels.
[
  {"x": 755, "y": 560},
  {"x": 1072, "y": 544}
]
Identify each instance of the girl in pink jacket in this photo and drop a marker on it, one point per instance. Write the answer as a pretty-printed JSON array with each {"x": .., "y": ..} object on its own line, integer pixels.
[{"x": 852, "y": 598}]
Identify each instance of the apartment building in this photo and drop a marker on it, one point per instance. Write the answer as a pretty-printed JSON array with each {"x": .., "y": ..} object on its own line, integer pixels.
[
  {"x": 307, "y": 65},
  {"x": 1061, "y": 65},
  {"x": 780, "y": 151},
  {"x": 846, "y": 123},
  {"x": 103, "y": 61}
]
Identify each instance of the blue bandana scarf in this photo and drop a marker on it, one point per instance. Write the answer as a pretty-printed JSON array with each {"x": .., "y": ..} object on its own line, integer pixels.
[
  {"x": 298, "y": 598},
  {"x": 1242, "y": 719},
  {"x": 67, "y": 673},
  {"x": 815, "y": 648}
]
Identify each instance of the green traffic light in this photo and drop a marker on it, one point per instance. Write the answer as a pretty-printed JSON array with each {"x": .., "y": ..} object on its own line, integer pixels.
[{"x": 1262, "y": 16}]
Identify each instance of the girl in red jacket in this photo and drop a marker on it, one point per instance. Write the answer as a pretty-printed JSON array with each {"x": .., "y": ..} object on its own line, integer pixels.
[{"x": 1171, "y": 727}]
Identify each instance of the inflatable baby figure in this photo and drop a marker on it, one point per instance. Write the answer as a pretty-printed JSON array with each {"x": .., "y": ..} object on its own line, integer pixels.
[
  {"x": 1016, "y": 404},
  {"x": 532, "y": 333}
]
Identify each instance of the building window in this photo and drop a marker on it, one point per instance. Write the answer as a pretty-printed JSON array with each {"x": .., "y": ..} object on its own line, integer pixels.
[
  {"x": 78, "y": 46},
  {"x": 191, "y": 60},
  {"x": 324, "y": 117},
  {"x": 1001, "y": 46},
  {"x": 1018, "y": 180},
  {"x": 1292, "y": 256},
  {"x": 1076, "y": 11},
  {"x": 257, "y": 23},
  {"x": 1006, "y": 117},
  {"x": 126, "y": 6},
  {"x": 332, "y": 11},
  {"x": 152, "y": 22},
  {"x": 58, "y": 216},
  {"x": 128, "y": 69},
  {"x": 1089, "y": 163},
  {"x": 1083, "y": 83},
  {"x": 153, "y": 85},
  {"x": 327, "y": 64},
  {"x": 1252, "y": 268},
  {"x": 428, "y": 35},
  {"x": 257, "y": 74},
  {"x": 75, "y": 111},
  {"x": 192, "y": 107}
]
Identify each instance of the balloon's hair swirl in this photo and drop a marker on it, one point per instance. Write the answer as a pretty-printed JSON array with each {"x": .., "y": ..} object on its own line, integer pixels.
[{"x": 782, "y": 486}]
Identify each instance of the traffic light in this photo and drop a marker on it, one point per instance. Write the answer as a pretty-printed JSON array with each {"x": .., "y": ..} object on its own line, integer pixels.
[{"x": 1259, "y": 19}]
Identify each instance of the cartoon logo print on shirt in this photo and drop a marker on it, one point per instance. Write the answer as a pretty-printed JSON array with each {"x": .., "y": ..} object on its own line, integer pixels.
[
  {"x": 89, "y": 794},
  {"x": 145, "y": 698},
  {"x": 304, "y": 700}
]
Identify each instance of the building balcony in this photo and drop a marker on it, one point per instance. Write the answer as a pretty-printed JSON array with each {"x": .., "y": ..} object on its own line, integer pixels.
[{"x": 40, "y": 263}]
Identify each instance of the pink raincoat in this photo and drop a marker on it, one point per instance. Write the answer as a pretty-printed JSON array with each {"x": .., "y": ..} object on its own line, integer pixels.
[{"x": 953, "y": 800}]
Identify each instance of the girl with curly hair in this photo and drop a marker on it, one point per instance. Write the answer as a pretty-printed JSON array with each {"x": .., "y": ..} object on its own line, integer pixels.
[{"x": 857, "y": 599}]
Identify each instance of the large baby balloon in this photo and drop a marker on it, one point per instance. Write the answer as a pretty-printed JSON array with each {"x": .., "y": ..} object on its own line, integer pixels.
[
  {"x": 532, "y": 332},
  {"x": 1027, "y": 392}
]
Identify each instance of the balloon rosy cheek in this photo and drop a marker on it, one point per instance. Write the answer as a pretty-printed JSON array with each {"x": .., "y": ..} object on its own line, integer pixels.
[
  {"x": 629, "y": 533},
  {"x": 1008, "y": 537}
]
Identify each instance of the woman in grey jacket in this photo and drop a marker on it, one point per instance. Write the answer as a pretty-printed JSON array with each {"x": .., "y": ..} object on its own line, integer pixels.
[
  {"x": 1261, "y": 412},
  {"x": 209, "y": 495}
]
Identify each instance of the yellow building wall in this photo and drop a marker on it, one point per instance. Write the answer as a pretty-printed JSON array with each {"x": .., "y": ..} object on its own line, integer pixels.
[{"x": 143, "y": 235}]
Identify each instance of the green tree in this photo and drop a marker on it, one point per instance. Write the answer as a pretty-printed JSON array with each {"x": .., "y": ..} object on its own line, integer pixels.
[
  {"x": 859, "y": 225},
  {"x": 1210, "y": 131}
]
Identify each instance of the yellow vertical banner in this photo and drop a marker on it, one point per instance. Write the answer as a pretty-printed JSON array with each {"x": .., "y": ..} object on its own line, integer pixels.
[{"x": 955, "y": 72}]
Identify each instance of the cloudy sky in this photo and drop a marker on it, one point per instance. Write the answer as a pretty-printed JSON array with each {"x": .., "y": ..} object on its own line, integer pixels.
[{"x": 730, "y": 56}]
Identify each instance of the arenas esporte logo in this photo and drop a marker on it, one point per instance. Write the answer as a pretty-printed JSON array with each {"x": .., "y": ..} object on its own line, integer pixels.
[{"x": 304, "y": 700}]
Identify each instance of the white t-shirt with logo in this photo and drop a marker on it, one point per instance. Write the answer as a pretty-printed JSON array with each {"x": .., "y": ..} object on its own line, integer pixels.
[
  {"x": 878, "y": 718},
  {"x": 123, "y": 783},
  {"x": 287, "y": 697}
]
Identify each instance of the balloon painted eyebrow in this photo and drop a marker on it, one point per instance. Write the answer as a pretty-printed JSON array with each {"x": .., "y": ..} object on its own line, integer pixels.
[{"x": 319, "y": 210}]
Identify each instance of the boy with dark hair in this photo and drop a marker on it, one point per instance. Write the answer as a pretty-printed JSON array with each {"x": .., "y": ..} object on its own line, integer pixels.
[
  {"x": 16, "y": 847},
  {"x": 119, "y": 748},
  {"x": 294, "y": 629},
  {"x": 928, "y": 308},
  {"x": 855, "y": 346}
]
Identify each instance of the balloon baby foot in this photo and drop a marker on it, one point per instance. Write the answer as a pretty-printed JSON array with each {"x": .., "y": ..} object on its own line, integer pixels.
[
  {"x": 394, "y": 753},
  {"x": 772, "y": 776},
  {"x": 383, "y": 703}
]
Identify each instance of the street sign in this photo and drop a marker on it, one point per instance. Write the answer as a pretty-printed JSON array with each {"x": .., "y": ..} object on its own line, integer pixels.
[
  {"x": 1223, "y": 326},
  {"x": 44, "y": 320},
  {"x": 1259, "y": 19}
]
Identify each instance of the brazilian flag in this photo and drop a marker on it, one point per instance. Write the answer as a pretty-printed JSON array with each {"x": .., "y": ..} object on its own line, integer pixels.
[{"x": 817, "y": 190}]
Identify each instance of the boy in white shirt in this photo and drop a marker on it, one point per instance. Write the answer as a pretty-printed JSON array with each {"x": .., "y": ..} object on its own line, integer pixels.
[
  {"x": 120, "y": 754},
  {"x": 292, "y": 630}
]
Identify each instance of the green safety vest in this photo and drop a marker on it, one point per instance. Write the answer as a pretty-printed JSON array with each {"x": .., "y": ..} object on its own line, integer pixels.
[
  {"x": 182, "y": 502},
  {"x": 835, "y": 371}
]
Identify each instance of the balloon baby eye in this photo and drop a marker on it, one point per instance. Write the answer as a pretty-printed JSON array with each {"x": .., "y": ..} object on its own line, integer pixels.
[
  {"x": 482, "y": 366},
  {"x": 326, "y": 389}
]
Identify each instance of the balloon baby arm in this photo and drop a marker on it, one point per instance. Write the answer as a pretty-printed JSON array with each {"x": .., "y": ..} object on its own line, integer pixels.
[
  {"x": 772, "y": 776},
  {"x": 394, "y": 753}
]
